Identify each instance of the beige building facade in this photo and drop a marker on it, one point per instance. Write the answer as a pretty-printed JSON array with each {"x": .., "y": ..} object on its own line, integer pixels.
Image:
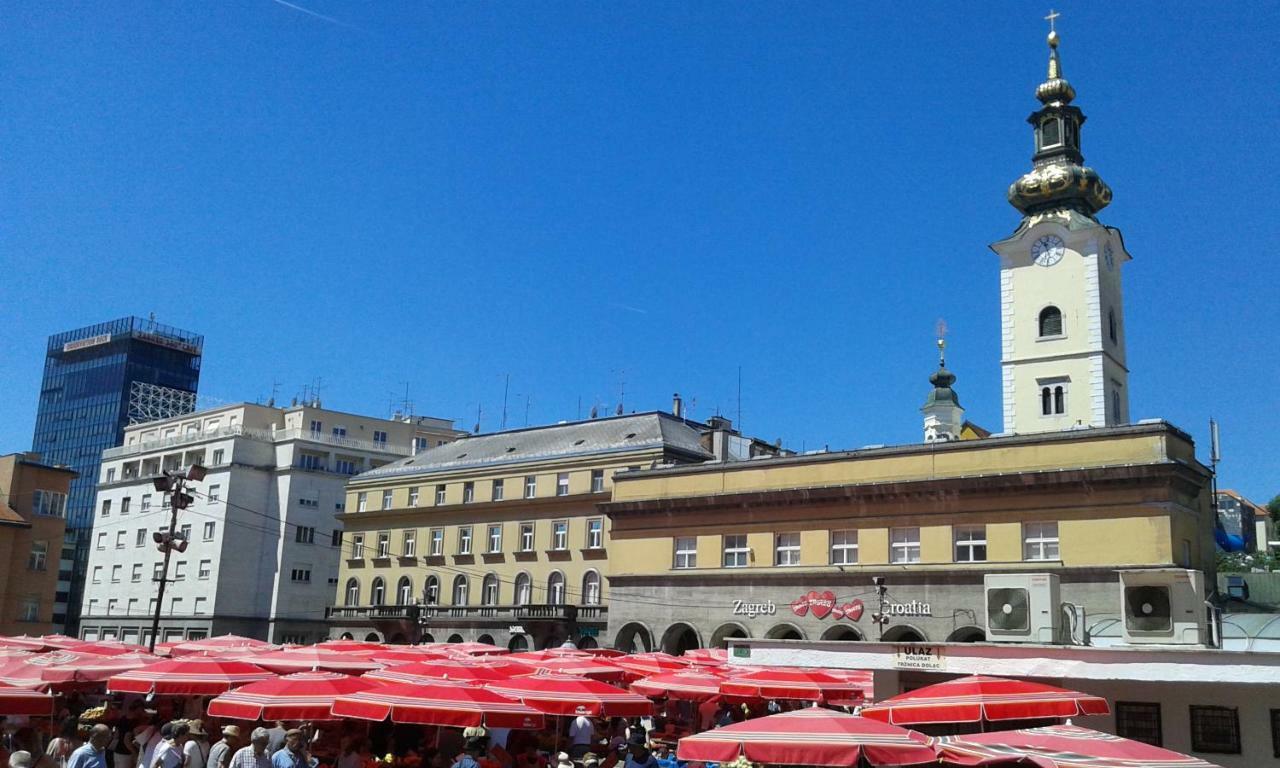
[{"x": 33, "y": 509}]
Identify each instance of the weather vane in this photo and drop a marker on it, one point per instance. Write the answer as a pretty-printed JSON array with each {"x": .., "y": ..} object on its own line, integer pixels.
[{"x": 941, "y": 328}]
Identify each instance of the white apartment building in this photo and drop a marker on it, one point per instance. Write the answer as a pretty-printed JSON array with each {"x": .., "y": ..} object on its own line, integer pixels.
[{"x": 263, "y": 537}]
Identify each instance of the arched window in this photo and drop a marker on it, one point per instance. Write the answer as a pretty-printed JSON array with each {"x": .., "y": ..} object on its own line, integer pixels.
[
  {"x": 524, "y": 589},
  {"x": 555, "y": 589},
  {"x": 1111, "y": 324},
  {"x": 1115, "y": 405},
  {"x": 1059, "y": 399},
  {"x": 431, "y": 592},
  {"x": 1046, "y": 401},
  {"x": 1050, "y": 322},
  {"x": 353, "y": 592},
  {"x": 404, "y": 591},
  {"x": 378, "y": 595},
  {"x": 489, "y": 590},
  {"x": 460, "y": 589},
  {"x": 591, "y": 588}
]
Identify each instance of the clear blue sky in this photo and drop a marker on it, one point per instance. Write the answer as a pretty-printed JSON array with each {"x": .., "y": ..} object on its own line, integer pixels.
[{"x": 578, "y": 194}]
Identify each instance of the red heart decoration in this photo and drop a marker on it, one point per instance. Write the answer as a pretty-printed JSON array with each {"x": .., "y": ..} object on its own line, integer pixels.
[
  {"x": 800, "y": 606},
  {"x": 822, "y": 604},
  {"x": 837, "y": 613},
  {"x": 853, "y": 610}
]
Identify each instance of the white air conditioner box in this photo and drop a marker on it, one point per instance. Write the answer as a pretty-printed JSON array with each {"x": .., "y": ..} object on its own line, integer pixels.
[
  {"x": 1163, "y": 606},
  {"x": 1022, "y": 607}
]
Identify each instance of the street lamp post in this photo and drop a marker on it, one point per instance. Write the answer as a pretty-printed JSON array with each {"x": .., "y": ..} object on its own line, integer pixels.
[{"x": 173, "y": 483}]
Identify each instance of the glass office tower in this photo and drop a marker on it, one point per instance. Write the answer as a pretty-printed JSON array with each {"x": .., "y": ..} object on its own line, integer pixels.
[{"x": 98, "y": 380}]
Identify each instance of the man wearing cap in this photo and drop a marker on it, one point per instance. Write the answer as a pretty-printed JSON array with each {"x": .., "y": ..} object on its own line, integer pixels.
[
  {"x": 291, "y": 754},
  {"x": 93, "y": 754},
  {"x": 220, "y": 753},
  {"x": 255, "y": 755},
  {"x": 638, "y": 754},
  {"x": 169, "y": 752},
  {"x": 195, "y": 752}
]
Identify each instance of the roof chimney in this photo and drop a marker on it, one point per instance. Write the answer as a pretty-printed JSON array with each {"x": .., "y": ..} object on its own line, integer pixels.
[{"x": 677, "y": 406}]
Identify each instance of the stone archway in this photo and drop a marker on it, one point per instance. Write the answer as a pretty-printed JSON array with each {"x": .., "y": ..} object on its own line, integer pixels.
[
  {"x": 518, "y": 644},
  {"x": 842, "y": 632},
  {"x": 680, "y": 637},
  {"x": 427, "y": 637},
  {"x": 728, "y": 631},
  {"x": 967, "y": 635},
  {"x": 634, "y": 638},
  {"x": 784, "y": 631},
  {"x": 373, "y": 637},
  {"x": 586, "y": 642},
  {"x": 903, "y": 633},
  {"x": 486, "y": 639},
  {"x": 454, "y": 638},
  {"x": 347, "y": 636}
]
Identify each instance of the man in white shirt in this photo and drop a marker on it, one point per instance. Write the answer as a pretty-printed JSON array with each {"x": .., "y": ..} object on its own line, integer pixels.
[
  {"x": 169, "y": 752},
  {"x": 582, "y": 735}
]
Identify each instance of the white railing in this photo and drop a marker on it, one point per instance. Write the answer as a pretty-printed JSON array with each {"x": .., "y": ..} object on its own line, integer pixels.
[{"x": 266, "y": 436}]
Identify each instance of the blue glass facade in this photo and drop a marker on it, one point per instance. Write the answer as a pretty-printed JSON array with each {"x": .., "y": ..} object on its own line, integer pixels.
[{"x": 84, "y": 408}]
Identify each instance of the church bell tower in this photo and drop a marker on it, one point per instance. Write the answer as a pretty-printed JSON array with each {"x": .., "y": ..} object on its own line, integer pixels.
[{"x": 1061, "y": 309}]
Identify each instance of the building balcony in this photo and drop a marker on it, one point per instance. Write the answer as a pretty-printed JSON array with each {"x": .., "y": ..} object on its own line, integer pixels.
[
  {"x": 261, "y": 435},
  {"x": 466, "y": 614}
]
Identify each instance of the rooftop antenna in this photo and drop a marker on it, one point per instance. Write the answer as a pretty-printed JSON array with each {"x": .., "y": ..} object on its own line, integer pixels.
[
  {"x": 506, "y": 387},
  {"x": 528, "y": 399},
  {"x": 275, "y": 386},
  {"x": 479, "y": 411},
  {"x": 739, "y": 398}
]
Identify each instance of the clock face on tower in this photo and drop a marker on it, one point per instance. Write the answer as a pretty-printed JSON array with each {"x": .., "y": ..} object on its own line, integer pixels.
[{"x": 1048, "y": 250}]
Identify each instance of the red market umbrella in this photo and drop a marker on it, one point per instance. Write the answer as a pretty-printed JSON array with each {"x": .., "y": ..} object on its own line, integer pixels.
[
  {"x": 108, "y": 648},
  {"x": 790, "y": 683},
  {"x": 1061, "y": 746},
  {"x": 440, "y": 703},
  {"x": 311, "y": 660},
  {"x": 811, "y": 736},
  {"x": 198, "y": 676},
  {"x": 60, "y": 641},
  {"x": 471, "y": 649},
  {"x": 458, "y": 671},
  {"x": 650, "y": 663},
  {"x": 713, "y": 656},
  {"x": 24, "y": 672},
  {"x": 586, "y": 666},
  {"x": 686, "y": 685},
  {"x": 547, "y": 655},
  {"x": 354, "y": 646},
  {"x": 24, "y": 701},
  {"x": 220, "y": 644},
  {"x": 976, "y": 698},
  {"x": 13, "y": 653},
  {"x": 91, "y": 668},
  {"x": 407, "y": 655},
  {"x": 569, "y": 695},
  {"x": 300, "y": 696},
  {"x": 28, "y": 643}
]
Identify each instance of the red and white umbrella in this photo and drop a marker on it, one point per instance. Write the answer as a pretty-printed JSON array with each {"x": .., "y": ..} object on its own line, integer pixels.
[
  {"x": 197, "y": 676},
  {"x": 650, "y": 663},
  {"x": 38, "y": 644},
  {"x": 471, "y": 649},
  {"x": 311, "y": 660},
  {"x": 407, "y": 655},
  {"x": 811, "y": 736},
  {"x": 220, "y": 644},
  {"x": 1061, "y": 746},
  {"x": 791, "y": 683},
  {"x": 25, "y": 672},
  {"x": 713, "y": 656},
  {"x": 355, "y": 646},
  {"x": 586, "y": 666},
  {"x": 976, "y": 698},
  {"x": 25, "y": 701},
  {"x": 440, "y": 703},
  {"x": 7, "y": 654},
  {"x": 108, "y": 648},
  {"x": 687, "y": 685},
  {"x": 61, "y": 642},
  {"x": 92, "y": 668},
  {"x": 549, "y": 654},
  {"x": 459, "y": 671},
  {"x": 569, "y": 695},
  {"x": 300, "y": 696}
]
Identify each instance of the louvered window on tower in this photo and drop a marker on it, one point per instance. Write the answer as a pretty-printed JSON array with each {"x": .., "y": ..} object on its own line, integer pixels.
[{"x": 1050, "y": 322}]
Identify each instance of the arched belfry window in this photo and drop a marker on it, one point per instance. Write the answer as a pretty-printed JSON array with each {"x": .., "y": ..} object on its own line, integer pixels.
[
  {"x": 1111, "y": 324},
  {"x": 1050, "y": 133},
  {"x": 1053, "y": 400},
  {"x": 1046, "y": 401},
  {"x": 1050, "y": 322},
  {"x": 1059, "y": 399}
]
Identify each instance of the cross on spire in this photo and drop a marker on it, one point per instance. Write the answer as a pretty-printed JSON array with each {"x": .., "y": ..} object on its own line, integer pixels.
[{"x": 1053, "y": 15}]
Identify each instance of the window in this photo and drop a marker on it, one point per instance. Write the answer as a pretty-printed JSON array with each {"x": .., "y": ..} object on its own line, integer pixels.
[
  {"x": 404, "y": 591},
  {"x": 180, "y": 571},
  {"x": 378, "y": 595},
  {"x": 175, "y": 607},
  {"x": 344, "y": 466},
  {"x": 146, "y": 503},
  {"x": 1050, "y": 133},
  {"x": 111, "y": 475},
  {"x": 218, "y": 457},
  {"x": 1215, "y": 730},
  {"x": 735, "y": 551},
  {"x": 971, "y": 543},
  {"x": 413, "y": 496},
  {"x": 1111, "y": 325},
  {"x": 409, "y": 545},
  {"x": 844, "y": 547},
  {"x": 530, "y": 486},
  {"x": 524, "y": 589},
  {"x": 97, "y": 574},
  {"x": 305, "y": 535},
  {"x": 591, "y": 588},
  {"x": 352, "y": 596},
  {"x": 117, "y": 572},
  {"x": 384, "y": 544},
  {"x": 141, "y": 539},
  {"x": 686, "y": 554},
  {"x": 31, "y": 609},
  {"x": 595, "y": 533},
  {"x": 157, "y": 571},
  {"x": 379, "y": 439},
  {"x": 526, "y": 537},
  {"x": 489, "y": 590},
  {"x": 1040, "y": 541},
  {"x": 555, "y": 588},
  {"x": 335, "y": 539},
  {"x": 215, "y": 493},
  {"x": 495, "y": 538},
  {"x": 102, "y": 540},
  {"x": 786, "y": 549},
  {"x": 904, "y": 545},
  {"x": 420, "y": 444},
  {"x": 201, "y": 606},
  {"x": 357, "y": 546},
  {"x": 106, "y": 508},
  {"x": 468, "y": 492},
  {"x": 93, "y": 607},
  {"x": 1140, "y": 721},
  {"x": 386, "y": 499},
  {"x": 562, "y": 484},
  {"x": 362, "y": 501},
  {"x": 164, "y": 501},
  {"x": 431, "y": 592},
  {"x": 131, "y": 609},
  {"x": 339, "y": 432},
  {"x": 1053, "y": 400},
  {"x": 437, "y": 542},
  {"x": 597, "y": 481},
  {"x": 497, "y": 491},
  {"x": 52, "y": 504},
  {"x": 112, "y": 602},
  {"x": 136, "y": 575},
  {"x": 439, "y": 494},
  {"x": 460, "y": 589},
  {"x": 39, "y": 554},
  {"x": 185, "y": 531},
  {"x": 317, "y": 427},
  {"x": 560, "y": 534},
  {"x": 1050, "y": 322},
  {"x": 464, "y": 540},
  {"x": 208, "y": 530}
]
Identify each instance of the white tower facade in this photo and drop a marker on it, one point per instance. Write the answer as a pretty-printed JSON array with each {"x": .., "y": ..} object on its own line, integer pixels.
[{"x": 1061, "y": 304}]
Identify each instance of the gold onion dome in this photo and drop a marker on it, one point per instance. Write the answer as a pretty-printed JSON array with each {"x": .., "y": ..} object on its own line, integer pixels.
[{"x": 1059, "y": 180}]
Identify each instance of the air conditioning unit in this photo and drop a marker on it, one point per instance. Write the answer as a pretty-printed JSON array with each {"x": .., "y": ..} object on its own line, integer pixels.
[
  {"x": 1163, "y": 606},
  {"x": 1022, "y": 607}
]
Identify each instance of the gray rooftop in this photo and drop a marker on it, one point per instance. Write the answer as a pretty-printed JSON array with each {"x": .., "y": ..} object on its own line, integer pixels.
[{"x": 615, "y": 434}]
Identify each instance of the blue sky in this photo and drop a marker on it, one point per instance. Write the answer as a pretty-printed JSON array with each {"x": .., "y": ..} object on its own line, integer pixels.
[{"x": 585, "y": 194}]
